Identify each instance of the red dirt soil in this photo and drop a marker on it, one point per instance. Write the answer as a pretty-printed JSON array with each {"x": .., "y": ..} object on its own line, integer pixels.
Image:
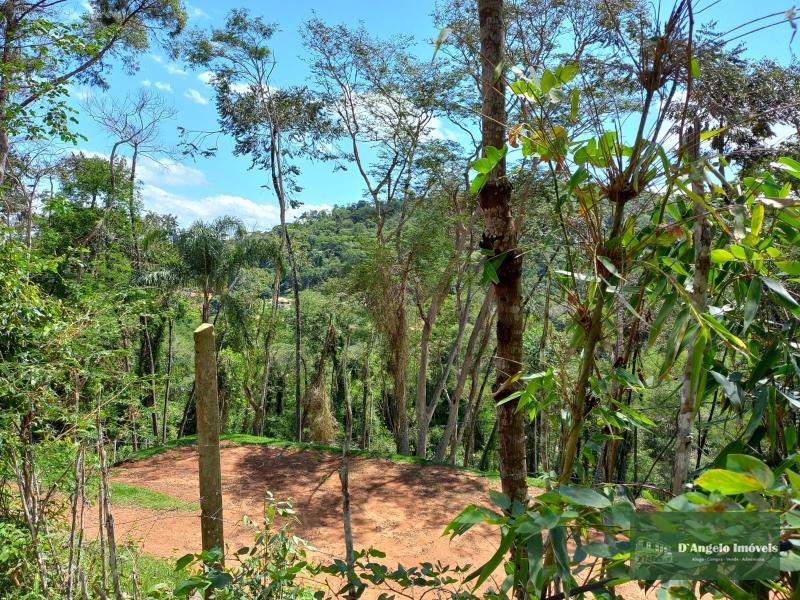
[{"x": 399, "y": 508}]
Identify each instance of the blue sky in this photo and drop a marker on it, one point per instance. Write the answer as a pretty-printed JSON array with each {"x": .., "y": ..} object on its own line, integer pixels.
[{"x": 206, "y": 188}]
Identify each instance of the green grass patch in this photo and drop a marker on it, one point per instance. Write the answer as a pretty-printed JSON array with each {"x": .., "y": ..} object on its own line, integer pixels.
[
  {"x": 254, "y": 440},
  {"x": 126, "y": 494}
]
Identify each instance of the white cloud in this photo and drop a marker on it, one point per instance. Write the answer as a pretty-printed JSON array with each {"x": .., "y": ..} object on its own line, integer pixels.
[
  {"x": 80, "y": 92},
  {"x": 168, "y": 172},
  {"x": 196, "y": 12},
  {"x": 187, "y": 210},
  {"x": 157, "y": 58},
  {"x": 438, "y": 130},
  {"x": 161, "y": 85},
  {"x": 195, "y": 96},
  {"x": 174, "y": 69},
  {"x": 206, "y": 77}
]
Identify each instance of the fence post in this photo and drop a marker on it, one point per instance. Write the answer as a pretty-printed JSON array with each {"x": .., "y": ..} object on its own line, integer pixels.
[{"x": 207, "y": 397}]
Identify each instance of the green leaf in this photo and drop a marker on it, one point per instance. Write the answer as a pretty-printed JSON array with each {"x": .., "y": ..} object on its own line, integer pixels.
[
  {"x": 707, "y": 135},
  {"x": 663, "y": 313},
  {"x": 777, "y": 288},
  {"x": 610, "y": 266},
  {"x": 756, "y": 220},
  {"x": 583, "y": 496},
  {"x": 184, "y": 561},
  {"x": 567, "y": 72},
  {"x": 744, "y": 463},
  {"x": 731, "y": 390},
  {"x": 751, "y": 303},
  {"x": 695, "y": 68},
  {"x": 574, "y": 100},
  {"x": 444, "y": 33},
  {"x": 471, "y": 515},
  {"x": 788, "y": 164},
  {"x": 478, "y": 183},
  {"x": 548, "y": 80},
  {"x": 720, "y": 255},
  {"x": 484, "y": 165},
  {"x": 728, "y": 483},
  {"x": 723, "y": 331}
]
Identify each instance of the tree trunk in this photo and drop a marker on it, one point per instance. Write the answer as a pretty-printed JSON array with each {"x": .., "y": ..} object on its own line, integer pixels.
[
  {"x": 364, "y": 439},
  {"x": 344, "y": 472},
  {"x": 170, "y": 344},
  {"x": 500, "y": 237},
  {"x": 689, "y": 388}
]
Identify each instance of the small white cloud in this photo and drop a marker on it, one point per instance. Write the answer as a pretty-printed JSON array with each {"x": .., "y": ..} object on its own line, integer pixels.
[
  {"x": 196, "y": 12},
  {"x": 80, "y": 92},
  {"x": 187, "y": 210},
  {"x": 159, "y": 85},
  {"x": 195, "y": 96},
  {"x": 206, "y": 77},
  {"x": 174, "y": 69},
  {"x": 168, "y": 172},
  {"x": 157, "y": 58}
]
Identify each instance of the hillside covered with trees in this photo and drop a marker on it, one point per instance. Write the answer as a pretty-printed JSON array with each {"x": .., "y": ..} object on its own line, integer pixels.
[{"x": 574, "y": 265}]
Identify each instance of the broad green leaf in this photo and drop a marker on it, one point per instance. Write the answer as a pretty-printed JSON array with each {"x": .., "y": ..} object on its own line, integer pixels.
[
  {"x": 750, "y": 465},
  {"x": 728, "y": 483},
  {"x": 790, "y": 267},
  {"x": 720, "y": 255},
  {"x": 478, "y": 183},
  {"x": 583, "y": 496},
  {"x": 756, "y": 220},
  {"x": 471, "y": 515}
]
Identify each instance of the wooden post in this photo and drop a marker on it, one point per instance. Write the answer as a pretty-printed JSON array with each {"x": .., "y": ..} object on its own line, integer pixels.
[{"x": 205, "y": 385}]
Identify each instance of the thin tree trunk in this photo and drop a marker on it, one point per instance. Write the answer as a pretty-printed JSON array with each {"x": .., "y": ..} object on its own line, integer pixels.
[
  {"x": 258, "y": 426},
  {"x": 344, "y": 472},
  {"x": 108, "y": 516},
  {"x": 500, "y": 237},
  {"x": 170, "y": 344},
  {"x": 365, "y": 404},
  {"x": 689, "y": 388}
]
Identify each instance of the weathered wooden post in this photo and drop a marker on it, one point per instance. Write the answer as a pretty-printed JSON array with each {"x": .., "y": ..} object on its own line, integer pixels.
[{"x": 207, "y": 397}]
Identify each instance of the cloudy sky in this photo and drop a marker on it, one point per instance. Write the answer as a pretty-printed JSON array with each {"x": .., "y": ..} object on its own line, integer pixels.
[{"x": 208, "y": 187}]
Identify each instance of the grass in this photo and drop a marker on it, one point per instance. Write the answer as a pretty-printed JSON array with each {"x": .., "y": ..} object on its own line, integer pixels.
[
  {"x": 126, "y": 494},
  {"x": 246, "y": 439}
]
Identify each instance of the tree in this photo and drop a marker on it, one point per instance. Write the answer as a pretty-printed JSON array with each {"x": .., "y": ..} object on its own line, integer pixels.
[
  {"x": 271, "y": 126},
  {"x": 210, "y": 259},
  {"x": 500, "y": 242},
  {"x": 134, "y": 121},
  {"x": 42, "y": 50},
  {"x": 384, "y": 101}
]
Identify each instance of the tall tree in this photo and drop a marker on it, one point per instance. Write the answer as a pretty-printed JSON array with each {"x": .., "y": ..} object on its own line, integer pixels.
[
  {"x": 42, "y": 49},
  {"x": 271, "y": 126},
  {"x": 500, "y": 240}
]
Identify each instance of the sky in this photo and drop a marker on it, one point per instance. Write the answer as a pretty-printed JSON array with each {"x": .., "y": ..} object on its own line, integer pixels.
[{"x": 205, "y": 188}]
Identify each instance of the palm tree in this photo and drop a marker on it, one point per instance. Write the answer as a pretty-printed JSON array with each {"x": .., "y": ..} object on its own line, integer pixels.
[{"x": 211, "y": 257}]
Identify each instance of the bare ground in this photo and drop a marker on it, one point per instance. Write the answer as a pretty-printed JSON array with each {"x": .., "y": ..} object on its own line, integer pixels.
[{"x": 399, "y": 508}]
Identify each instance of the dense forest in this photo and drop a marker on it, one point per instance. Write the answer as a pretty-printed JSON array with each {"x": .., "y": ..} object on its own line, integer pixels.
[{"x": 591, "y": 292}]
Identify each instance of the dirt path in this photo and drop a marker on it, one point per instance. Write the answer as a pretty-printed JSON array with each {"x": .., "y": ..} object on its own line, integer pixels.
[{"x": 399, "y": 508}]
